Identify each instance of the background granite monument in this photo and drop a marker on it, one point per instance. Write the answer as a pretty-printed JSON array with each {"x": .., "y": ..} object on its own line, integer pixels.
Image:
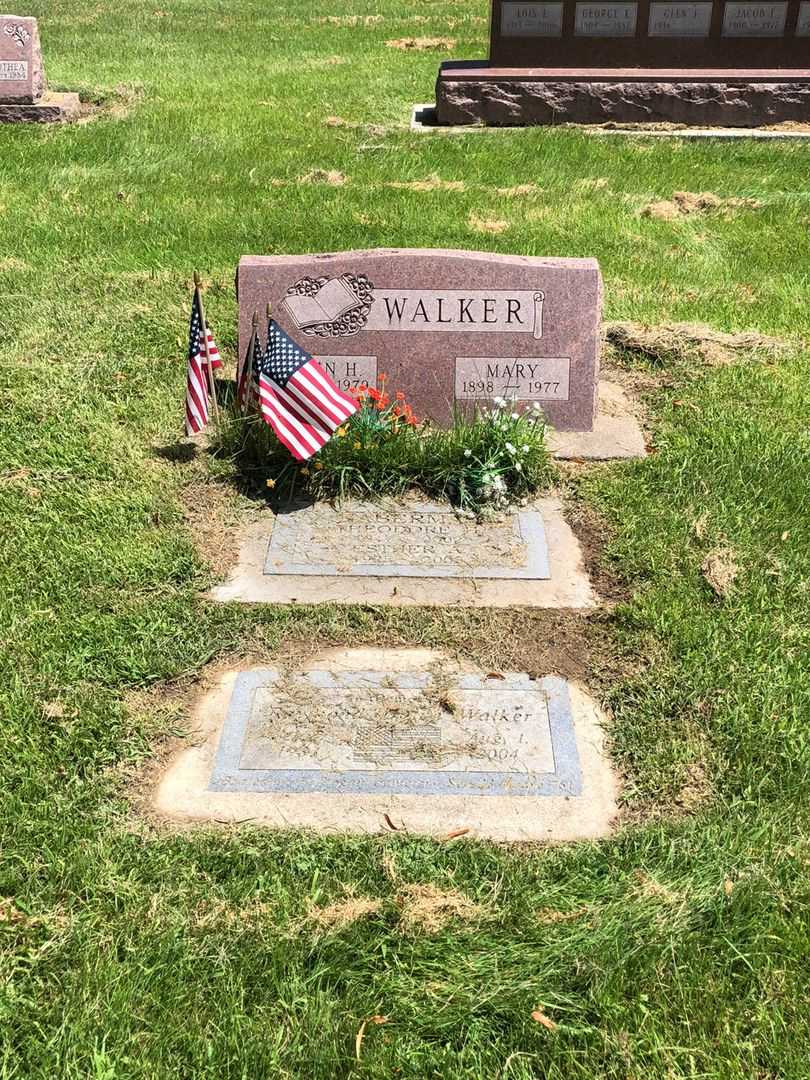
[
  {"x": 452, "y": 329},
  {"x": 712, "y": 62},
  {"x": 24, "y": 95}
]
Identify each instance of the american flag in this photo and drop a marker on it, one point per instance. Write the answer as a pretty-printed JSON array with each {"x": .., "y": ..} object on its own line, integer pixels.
[
  {"x": 297, "y": 398},
  {"x": 198, "y": 387},
  {"x": 247, "y": 393}
]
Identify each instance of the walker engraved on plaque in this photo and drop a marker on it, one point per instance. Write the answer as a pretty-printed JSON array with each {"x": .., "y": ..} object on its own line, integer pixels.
[
  {"x": 541, "y": 378},
  {"x": 532, "y": 20},
  {"x": 755, "y": 20},
  {"x": 680, "y": 20},
  {"x": 803, "y": 25},
  {"x": 606, "y": 20}
]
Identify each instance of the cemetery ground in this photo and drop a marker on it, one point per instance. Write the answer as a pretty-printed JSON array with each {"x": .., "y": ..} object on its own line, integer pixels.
[{"x": 130, "y": 949}]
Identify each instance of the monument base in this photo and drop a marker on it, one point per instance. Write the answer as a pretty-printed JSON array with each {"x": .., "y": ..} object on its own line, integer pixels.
[
  {"x": 50, "y": 109},
  {"x": 477, "y": 93}
]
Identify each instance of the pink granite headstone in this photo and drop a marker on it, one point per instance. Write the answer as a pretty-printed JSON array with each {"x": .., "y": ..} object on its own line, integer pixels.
[
  {"x": 22, "y": 77},
  {"x": 452, "y": 329}
]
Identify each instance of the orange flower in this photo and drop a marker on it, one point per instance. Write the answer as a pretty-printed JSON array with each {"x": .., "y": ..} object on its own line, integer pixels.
[
  {"x": 400, "y": 396},
  {"x": 374, "y": 393},
  {"x": 382, "y": 377}
]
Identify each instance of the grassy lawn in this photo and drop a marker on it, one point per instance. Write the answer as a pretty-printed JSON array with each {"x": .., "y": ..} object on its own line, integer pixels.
[{"x": 679, "y": 948}]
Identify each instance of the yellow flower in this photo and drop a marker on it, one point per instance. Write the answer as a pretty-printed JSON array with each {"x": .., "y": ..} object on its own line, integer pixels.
[
  {"x": 319, "y": 465},
  {"x": 305, "y": 472},
  {"x": 358, "y": 446},
  {"x": 342, "y": 432},
  {"x": 271, "y": 484}
]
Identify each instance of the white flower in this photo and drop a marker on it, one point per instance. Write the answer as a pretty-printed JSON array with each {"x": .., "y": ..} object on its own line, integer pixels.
[
  {"x": 515, "y": 416},
  {"x": 499, "y": 402},
  {"x": 536, "y": 406},
  {"x": 518, "y": 466},
  {"x": 468, "y": 453},
  {"x": 525, "y": 449},
  {"x": 510, "y": 448}
]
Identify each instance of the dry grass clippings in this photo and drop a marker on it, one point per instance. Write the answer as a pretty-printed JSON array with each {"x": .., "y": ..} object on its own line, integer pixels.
[
  {"x": 334, "y": 917},
  {"x": 720, "y": 570},
  {"x": 683, "y": 341},
  {"x": 426, "y": 909},
  {"x": 330, "y": 177},
  {"x": 422, "y": 44},
  {"x": 688, "y": 203}
]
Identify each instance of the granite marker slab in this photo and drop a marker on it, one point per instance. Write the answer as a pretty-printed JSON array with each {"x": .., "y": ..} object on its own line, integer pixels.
[
  {"x": 398, "y": 734},
  {"x": 421, "y": 540},
  {"x": 22, "y": 78},
  {"x": 449, "y": 328},
  {"x": 354, "y": 740}
]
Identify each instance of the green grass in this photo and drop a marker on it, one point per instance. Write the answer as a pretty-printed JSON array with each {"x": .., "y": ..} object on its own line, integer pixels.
[{"x": 126, "y": 952}]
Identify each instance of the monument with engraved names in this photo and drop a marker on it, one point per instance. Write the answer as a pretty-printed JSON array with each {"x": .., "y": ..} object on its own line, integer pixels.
[
  {"x": 452, "y": 329},
  {"x": 24, "y": 94},
  {"x": 727, "y": 63}
]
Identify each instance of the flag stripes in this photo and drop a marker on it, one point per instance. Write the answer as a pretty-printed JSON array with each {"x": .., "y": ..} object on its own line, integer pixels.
[
  {"x": 296, "y": 396},
  {"x": 199, "y": 380}
]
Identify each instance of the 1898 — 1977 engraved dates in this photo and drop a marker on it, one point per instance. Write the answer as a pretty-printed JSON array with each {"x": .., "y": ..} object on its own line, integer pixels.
[{"x": 540, "y": 378}]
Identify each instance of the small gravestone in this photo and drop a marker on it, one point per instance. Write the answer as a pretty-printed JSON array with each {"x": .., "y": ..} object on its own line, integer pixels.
[
  {"x": 710, "y": 62},
  {"x": 412, "y": 552},
  {"x": 23, "y": 89},
  {"x": 451, "y": 329},
  {"x": 363, "y": 740}
]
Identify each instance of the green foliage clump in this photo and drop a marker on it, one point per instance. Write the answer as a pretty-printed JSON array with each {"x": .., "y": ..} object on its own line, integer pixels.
[{"x": 484, "y": 461}]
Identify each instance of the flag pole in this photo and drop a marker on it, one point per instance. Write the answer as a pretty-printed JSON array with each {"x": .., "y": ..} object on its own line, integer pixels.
[{"x": 212, "y": 384}]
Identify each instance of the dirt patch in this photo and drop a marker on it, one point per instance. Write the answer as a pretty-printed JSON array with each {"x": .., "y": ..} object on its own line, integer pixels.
[
  {"x": 720, "y": 569},
  {"x": 115, "y": 103},
  {"x": 334, "y": 917},
  {"x": 423, "y": 44},
  {"x": 330, "y": 177},
  {"x": 696, "y": 790},
  {"x": 688, "y": 203},
  {"x": 678, "y": 342},
  {"x": 594, "y": 533},
  {"x": 213, "y": 520},
  {"x": 426, "y": 909}
]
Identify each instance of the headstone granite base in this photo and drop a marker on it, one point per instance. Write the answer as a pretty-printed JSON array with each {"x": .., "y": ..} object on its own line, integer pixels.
[
  {"x": 51, "y": 108},
  {"x": 478, "y": 93}
]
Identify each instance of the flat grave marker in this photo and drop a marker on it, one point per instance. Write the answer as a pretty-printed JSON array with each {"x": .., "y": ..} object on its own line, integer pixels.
[
  {"x": 411, "y": 552},
  {"x": 421, "y": 540},
  {"x": 398, "y": 734},
  {"x": 451, "y": 329},
  {"x": 359, "y": 738}
]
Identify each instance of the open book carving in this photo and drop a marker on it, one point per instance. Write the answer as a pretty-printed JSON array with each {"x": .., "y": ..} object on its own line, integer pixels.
[{"x": 334, "y": 300}]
